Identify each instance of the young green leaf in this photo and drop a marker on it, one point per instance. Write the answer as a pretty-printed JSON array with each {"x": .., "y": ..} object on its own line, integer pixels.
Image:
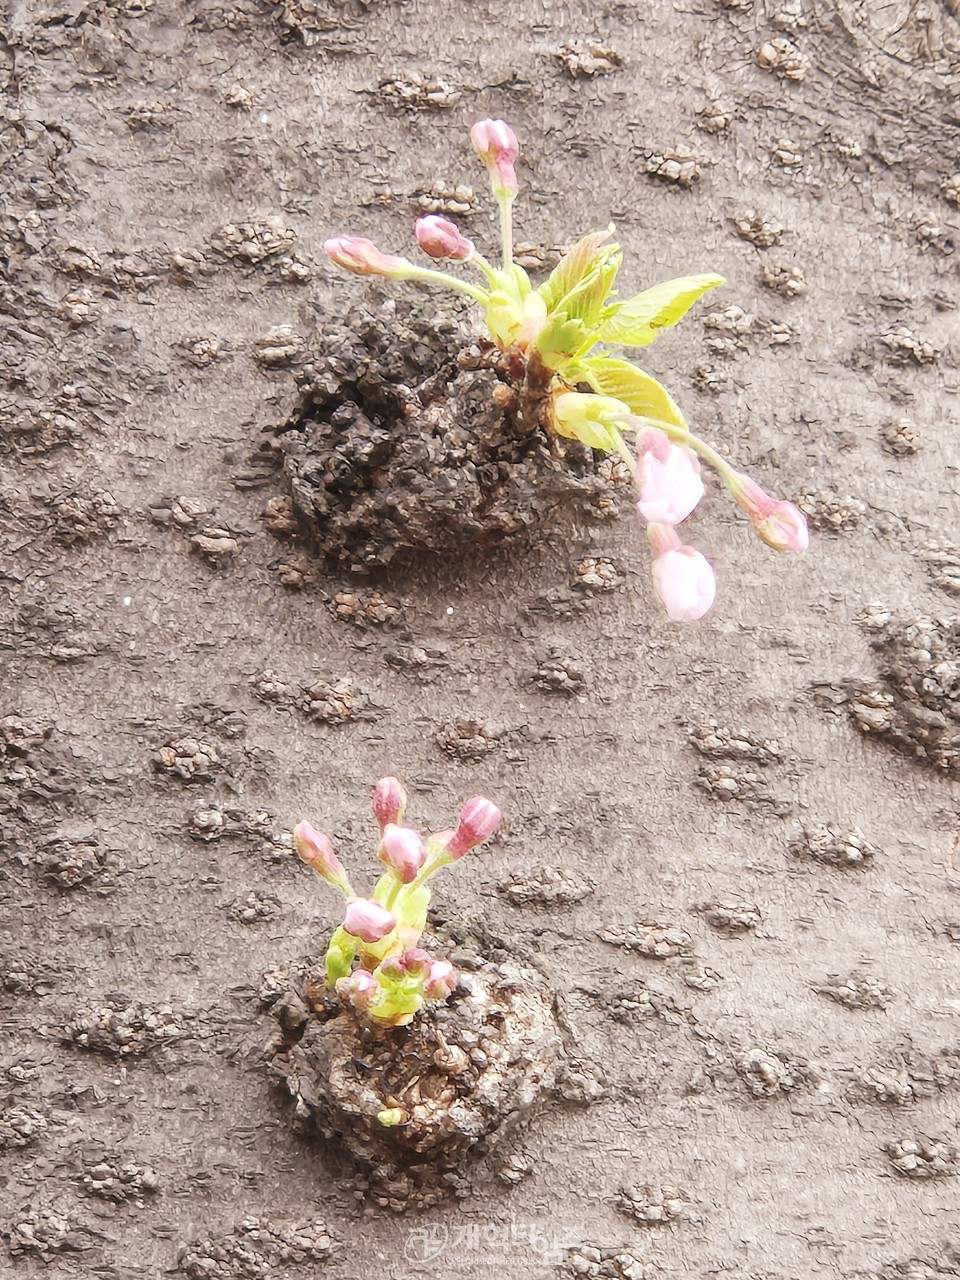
[
  {"x": 638, "y": 321},
  {"x": 587, "y": 300},
  {"x": 573, "y": 266},
  {"x": 622, "y": 380},
  {"x": 559, "y": 340}
]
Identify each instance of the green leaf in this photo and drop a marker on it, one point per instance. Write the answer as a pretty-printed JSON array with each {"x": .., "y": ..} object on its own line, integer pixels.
[
  {"x": 573, "y": 266},
  {"x": 340, "y": 956},
  {"x": 639, "y": 320},
  {"x": 559, "y": 340},
  {"x": 624, "y": 381},
  {"x": 521, "y": 281},
  {"x": 586, "y": 301}
]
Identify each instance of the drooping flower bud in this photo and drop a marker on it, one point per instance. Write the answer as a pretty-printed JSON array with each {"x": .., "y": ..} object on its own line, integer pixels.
[
  {"x": 682, "y": 577},
  {"x": 779, "y": 524},
  {"x": 402, "y": 849},
  {"x": 496, "y": 145},
  {"x": 389, "y": 801},
  {"x": 363, "y": 257},
  {"x": 669, "y": 479},
  {"x": 479, "y": 819},
  {"x": 367, "y": 920},
  {"x": 360, "y": 989},
  {"x": 441, "y": 982},
  {"x": 441, "y": 238},
  {"x": 315, "y": 849}
]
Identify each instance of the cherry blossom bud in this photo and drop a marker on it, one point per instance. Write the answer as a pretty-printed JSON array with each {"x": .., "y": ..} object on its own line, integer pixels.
[
  {"x": 402, "y": 849},
  {"x": 363, "y": 257},
  {"x": 441, "y": 981},
  {"x": 389, "y": 801},
  {"x": 417, "y": 962},
  {"x": 441, "y": 238},
  {"x": 669, "y": 479},
  {"x": 682, "y": 577},
  {"x": 479, "y": 819},
  {"x": 315, "y": 849},
  {"x": 496, "y": 145},
  {"x": 367, "y": 920},
  {"x": 779, "y": 524},
  {"x": 360, "y": 989}
]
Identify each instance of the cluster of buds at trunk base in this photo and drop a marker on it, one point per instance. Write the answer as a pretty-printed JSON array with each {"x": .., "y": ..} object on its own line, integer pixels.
[
  {"x": 561, "y": 337},
  {"x": 374, "y": 961}
]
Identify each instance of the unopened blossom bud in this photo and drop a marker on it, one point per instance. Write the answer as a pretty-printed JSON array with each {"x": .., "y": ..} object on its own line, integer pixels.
[
  {"x": 367, "y": 920},
  {"x": 479, "y": 819},
  {"x": 392, "y": 969},
  {"x": 669, "y": 479},
  {"x": 363, "y": 257},
  {"x": 496, "y": 145},
  {"x": 389, "y": 801},
  {"x": 784, "y": 529},
  {"x": 360, "y": 989},
  {"x": 441, "y": 238},
  {"x": 779, "y": 524},
  {"x": 402, "y": 849},
  {"x": 417, "y": 962},
  {"x": 441, "y": 981},
  {"x": 682, "y": 577},
  {"x": 315, "y": 849}
]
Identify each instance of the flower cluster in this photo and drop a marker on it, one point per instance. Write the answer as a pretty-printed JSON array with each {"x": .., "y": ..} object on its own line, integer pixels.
[
  {"x": 555, "y": 339},
  {"x": 374, "y": 961}
]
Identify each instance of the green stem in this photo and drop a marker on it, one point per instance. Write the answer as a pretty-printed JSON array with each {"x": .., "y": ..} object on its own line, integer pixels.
[
  {"x": 506, "y": 229},
  {"x": 449, "y": 282},
  {"x": 625, "y": 454},
  {"x": 488, "y": 269}
]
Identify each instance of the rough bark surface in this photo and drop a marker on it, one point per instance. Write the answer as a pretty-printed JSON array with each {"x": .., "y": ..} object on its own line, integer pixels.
[{"x": 747, "y": 906}]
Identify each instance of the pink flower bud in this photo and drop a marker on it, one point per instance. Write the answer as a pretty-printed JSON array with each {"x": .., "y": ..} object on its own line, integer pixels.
[
  {"x": 363, "y": 257},
  {"x": 784, "y": 529},
  {"x": 417, "y": 962},
  {"x": 441, "y": 981},
  {"x": 367, "y": 920},
  {"x": 669, "y": 479},
  {"x": 496, "y": 145},
  {"x": 479, "y": 819},
  {"x": 360, "y": 989},
  {"x": 682, "y": 577},
  {"x": 392, "y": 969},
  {"x": 402, "y": 849},
  {"x": 779, "y": 524},
  {"x": 389, "y": 801},
  {"x": 441, "y": 238},
  {"x": 315, "y": 849}
]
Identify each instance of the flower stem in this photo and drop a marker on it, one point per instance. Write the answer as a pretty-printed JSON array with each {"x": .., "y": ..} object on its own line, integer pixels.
[
  {"x": 625, "y": 454},
  {"x": 506, "y": 229},
  {"x": 682, "y": 435},
  {"x": 449, "y": 282},
  {"x": 488, "y": 269}
]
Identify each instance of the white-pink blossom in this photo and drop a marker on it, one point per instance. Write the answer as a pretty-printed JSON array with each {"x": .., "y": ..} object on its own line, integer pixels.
[
  {"x": 402, "y": 849},
  {"x": 669, "y": 479},
  {"x": 367, "y": 920},
  {"x": 685, "y": 582}
]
